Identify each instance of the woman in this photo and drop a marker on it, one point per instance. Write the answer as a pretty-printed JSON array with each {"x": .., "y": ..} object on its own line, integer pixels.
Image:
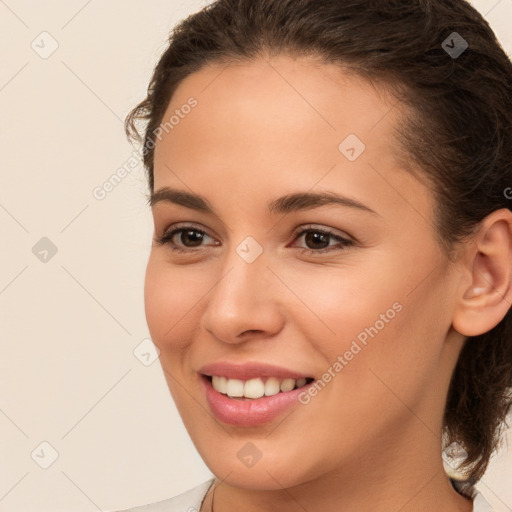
[{"x": 329, "y": 284}]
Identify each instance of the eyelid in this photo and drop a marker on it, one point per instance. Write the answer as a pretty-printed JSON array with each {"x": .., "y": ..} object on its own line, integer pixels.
[
  {"x": 329, "y": 230},
  {"x": 171, "y": 231},
  {"x": 297, "y": 231},
  {"x": 344, "y": 241}
]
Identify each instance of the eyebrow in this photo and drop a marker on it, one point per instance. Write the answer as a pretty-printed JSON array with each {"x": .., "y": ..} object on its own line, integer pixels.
[{"x": 289, "y": 203}]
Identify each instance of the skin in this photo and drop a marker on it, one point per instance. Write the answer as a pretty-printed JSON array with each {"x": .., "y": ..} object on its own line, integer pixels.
[{"x": 371, "y": 439}]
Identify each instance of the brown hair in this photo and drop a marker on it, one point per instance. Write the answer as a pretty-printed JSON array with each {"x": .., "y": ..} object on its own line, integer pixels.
[{"x": 458, "y": 131}]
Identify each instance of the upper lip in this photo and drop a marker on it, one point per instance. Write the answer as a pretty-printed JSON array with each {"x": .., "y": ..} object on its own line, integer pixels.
[{"x": 249, "y": 370}]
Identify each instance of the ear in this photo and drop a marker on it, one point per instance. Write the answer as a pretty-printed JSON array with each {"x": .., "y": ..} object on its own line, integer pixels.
[{"x": 488, "y": 269}]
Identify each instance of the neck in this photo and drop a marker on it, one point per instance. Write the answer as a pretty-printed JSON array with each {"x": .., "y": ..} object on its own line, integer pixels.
[{"x": 378, "y": 484}]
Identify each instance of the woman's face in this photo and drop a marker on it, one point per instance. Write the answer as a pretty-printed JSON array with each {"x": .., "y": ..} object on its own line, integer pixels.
[{"x": 369, "y": 318}]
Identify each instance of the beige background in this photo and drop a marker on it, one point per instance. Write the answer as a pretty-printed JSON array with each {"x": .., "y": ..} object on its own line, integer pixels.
[{"x": 70, "y": 324}]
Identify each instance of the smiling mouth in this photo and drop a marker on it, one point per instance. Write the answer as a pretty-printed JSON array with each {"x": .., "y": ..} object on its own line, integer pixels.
[{"x": 255, "y": 388}]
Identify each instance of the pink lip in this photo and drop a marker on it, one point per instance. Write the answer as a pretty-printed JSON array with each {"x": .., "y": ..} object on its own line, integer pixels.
[
  {"x": 250, "y": 370},
  {"x": 249, "y": 413}
]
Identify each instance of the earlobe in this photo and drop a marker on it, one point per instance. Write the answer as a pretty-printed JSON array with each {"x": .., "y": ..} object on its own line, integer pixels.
[{"x": 485, "y": 301}]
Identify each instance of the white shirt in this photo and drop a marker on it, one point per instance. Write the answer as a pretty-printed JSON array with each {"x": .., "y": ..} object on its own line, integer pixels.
[{"x": 190, "y": 501}]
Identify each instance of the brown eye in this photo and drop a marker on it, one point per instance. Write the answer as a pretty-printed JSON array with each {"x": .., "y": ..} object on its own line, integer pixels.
[
  {"x": 183, "y": 239},
  {"x": 317, "y": 241},
  {"x": 192, "y": 236}
]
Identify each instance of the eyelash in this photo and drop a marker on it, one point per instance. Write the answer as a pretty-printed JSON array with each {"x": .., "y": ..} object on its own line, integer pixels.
[{"x": 167, "y": 237}]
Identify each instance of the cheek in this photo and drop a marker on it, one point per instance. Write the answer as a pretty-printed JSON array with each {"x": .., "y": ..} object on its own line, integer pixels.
[
  {"x": 399, "y": 363},
  {"x": 338, "y": 305},
  {"x": 168, "y": 304},
  {"x": 369, "y": 317}
]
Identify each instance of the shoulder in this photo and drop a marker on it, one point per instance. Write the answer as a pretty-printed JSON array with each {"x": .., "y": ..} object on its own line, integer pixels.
[
  {"x": 188, "y": 501},
  {"x": 480, "y": 504},
  {"x": 469, "y": 490}
]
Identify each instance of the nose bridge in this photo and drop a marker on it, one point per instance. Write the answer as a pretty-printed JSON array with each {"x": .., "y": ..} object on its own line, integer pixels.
[
  {"x": 244, "y": 272},
  {"x": 241, "y": 299}
]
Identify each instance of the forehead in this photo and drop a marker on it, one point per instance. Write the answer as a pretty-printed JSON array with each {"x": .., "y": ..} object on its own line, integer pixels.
[
  {"x": 285, "y": 89},
  {"x": 283, "y": 121},
  {"x": 285, "y": 101}
]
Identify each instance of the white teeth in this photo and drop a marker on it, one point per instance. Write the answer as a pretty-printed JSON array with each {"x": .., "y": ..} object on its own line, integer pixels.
[
  {"x": 235, "y": 388},
  {"x": 220, "y": 384},
  {"x": 272, "y": 386},
  {"x": 287, "y": 384},
  {"x": 254, "y": 388}
]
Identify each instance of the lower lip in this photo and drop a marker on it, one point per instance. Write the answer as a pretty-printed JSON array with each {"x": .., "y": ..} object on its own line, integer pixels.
[{"x": 252, "y": 412}]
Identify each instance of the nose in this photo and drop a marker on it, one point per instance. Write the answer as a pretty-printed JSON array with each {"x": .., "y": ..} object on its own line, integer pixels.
[{"x": 244, "y": 302}]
